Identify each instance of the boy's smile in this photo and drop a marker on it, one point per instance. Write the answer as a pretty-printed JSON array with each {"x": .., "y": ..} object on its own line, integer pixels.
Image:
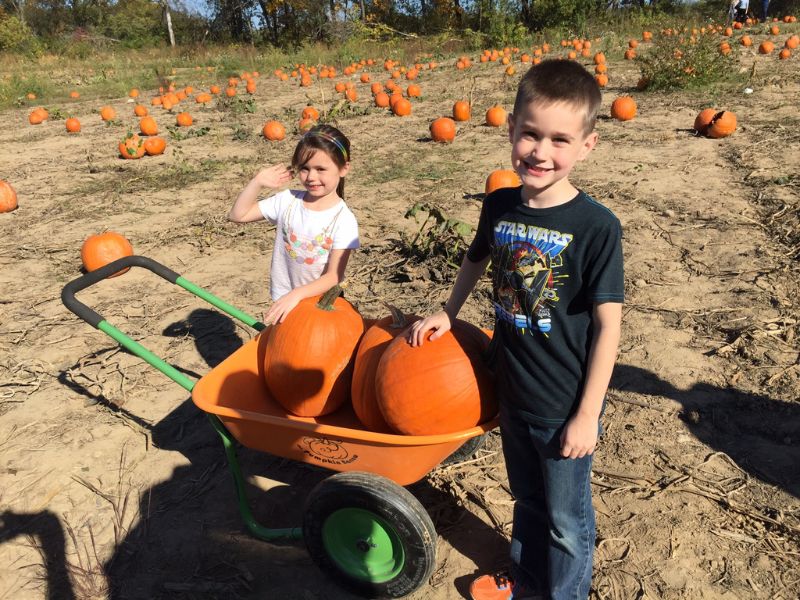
[{"x": 546, "y": 142}]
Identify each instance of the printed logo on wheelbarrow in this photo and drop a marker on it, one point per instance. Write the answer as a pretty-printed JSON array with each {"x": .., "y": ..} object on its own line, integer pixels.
[{"x": 327, "y": 451}]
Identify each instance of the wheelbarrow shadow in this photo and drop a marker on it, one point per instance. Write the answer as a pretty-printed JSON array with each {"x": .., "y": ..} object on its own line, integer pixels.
[{"x": 190, "y": 541}]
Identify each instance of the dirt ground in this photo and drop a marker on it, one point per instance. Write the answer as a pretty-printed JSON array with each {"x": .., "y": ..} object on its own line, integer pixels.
[{"x": 113, "y": 484}]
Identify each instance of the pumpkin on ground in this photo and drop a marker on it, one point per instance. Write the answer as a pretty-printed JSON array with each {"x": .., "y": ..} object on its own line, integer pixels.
[
  {"x": 461, "y": 111},
  {"x": 8, "y": 197},
  {"x": 308, "y": 361},
  {"x": 443, "y": 129},
  {"x": 309, "y": 112},
  {"x": 154, "y": 146},
  {"x": 132, "y": 146},
  {"x": 184, "y": 119},
  {"x": 73, "y": 125},
  {"x": 439, "y": 387},
  {"x": 401, "y": 108},
  {"x": 100, "y": 249},
  {"x": 623, "y": 108},
  {"x": 502, "y": 178},
  {"x": 722, "y": 125},
  {"x": 703, "y": 120},
  {"x": 148, "y": 126},
  {"x": 373, "y": 344},
  {"x": 37, "y": 116},
  {"x": 274, "y": 131},
  {"x": 107, "y": 113},
  {"x": 496, "y": 116}
]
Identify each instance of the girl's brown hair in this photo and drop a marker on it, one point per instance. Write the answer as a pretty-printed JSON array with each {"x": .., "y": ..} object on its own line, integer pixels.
[{"x": 328, "y": 139}]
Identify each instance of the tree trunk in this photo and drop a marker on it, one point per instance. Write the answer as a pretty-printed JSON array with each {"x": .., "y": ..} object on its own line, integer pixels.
[{"x": 168, "y": 18}]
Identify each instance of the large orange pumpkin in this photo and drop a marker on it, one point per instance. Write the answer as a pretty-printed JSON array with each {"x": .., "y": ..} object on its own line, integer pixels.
[
  {"x": 703, "y": 120},
  {"x": 461, "y": 111},
  {"x": 443, "y": 129},
  {"x": 308, "y": 362},
  {"x": 274, "y": 131},
  {"x": 402, "y": 108},
  {"x": 502, "y": 178},
  {"x": 107, "y": 113},
  {"x": 148, "y": 126},
  {"x": 100, "y": 249},
  {"x": 623, "y": 108},
  {"x": 154, "y": 146},
  {"x": 496, "y": 116},
  {"x": 370, "y": 350},
  {"x": 8, "y": 197},
  {"x": 439, "y": 387},
  {"x": 37, "y": 116},
  {"x": 132, "y": 146},
  {"x": 722, "y": 125},
  {"x": 73, "y": 125}
]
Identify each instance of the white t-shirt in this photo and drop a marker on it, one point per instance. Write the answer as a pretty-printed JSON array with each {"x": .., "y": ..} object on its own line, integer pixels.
[{"x": 304, "y": 238}]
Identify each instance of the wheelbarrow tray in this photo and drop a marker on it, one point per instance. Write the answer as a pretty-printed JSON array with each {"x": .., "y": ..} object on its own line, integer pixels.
[{"x": 236, "y": 392}]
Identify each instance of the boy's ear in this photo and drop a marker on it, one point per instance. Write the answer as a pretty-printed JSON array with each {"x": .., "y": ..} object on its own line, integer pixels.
[
  {"x": 588, "y": 145},
  {"x": 511, "y": 127}
]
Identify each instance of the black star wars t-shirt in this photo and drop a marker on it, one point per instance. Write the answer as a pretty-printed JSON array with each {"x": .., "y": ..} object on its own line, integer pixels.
[{"x": 549, "y": 267}]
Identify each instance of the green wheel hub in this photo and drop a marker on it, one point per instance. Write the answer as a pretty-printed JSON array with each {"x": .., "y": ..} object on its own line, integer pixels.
[{"x": 363, "y": 545}]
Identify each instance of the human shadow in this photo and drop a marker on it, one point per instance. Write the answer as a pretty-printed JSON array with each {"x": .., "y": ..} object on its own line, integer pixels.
[
  {"x": 189, "y": 541},
  {"x": 47, "y": 534},
  {"x": 761, "y": 434}
]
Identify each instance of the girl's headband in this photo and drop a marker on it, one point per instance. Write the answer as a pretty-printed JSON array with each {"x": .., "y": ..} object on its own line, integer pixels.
[{"x": 331, "y": 139}]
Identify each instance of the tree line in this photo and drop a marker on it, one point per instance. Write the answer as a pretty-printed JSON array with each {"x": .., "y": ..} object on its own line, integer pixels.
[{"x": 291, "y": 23}]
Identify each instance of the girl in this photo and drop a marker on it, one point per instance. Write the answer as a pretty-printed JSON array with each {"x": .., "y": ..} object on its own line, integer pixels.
[{"x": 315, "y": 229}]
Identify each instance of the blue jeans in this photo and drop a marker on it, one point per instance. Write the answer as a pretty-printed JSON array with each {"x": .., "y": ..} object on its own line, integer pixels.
[{"x": 553, "y": 534}]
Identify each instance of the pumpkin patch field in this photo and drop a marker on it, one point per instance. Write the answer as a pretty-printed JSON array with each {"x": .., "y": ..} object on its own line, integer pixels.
[{"x": 114, "y": 485}]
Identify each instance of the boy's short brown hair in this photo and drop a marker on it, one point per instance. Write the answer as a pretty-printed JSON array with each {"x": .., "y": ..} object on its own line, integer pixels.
[{"x": 559, "y": 80}]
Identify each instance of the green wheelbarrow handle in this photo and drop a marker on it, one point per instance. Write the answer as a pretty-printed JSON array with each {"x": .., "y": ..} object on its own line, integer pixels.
[{"x": 96, "y": 320}]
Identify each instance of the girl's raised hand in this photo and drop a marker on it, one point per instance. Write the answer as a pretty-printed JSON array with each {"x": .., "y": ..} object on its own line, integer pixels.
[{"x": 273, "y": 177}]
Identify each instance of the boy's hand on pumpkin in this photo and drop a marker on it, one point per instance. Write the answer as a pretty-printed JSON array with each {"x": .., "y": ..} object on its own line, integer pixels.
[
  {"x": 579, "y": 437},
  {"x": 280, "y": 308},
  {"x": 273, "y": 177},
  {"x": 439, "y": 322}
]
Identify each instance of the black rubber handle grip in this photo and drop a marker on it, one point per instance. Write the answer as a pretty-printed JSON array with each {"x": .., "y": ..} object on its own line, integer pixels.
[{"x": 85, "y": 281}]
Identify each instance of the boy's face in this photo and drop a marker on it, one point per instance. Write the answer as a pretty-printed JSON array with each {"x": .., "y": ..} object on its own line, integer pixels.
[{"x": 546, "y": 142}]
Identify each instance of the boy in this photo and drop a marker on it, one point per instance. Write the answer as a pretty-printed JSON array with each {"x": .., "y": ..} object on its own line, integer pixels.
[{"x": 557, "y": 292}]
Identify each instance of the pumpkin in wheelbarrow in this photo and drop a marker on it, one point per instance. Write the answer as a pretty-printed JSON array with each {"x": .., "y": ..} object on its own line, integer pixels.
[
  {"x": 308, "y": 363},
  {"x": 370, "y": 350},
  {"x": 439, "y": 387}
]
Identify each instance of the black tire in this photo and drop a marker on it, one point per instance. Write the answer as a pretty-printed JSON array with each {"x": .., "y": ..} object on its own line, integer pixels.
[
  {"x": 343, "y": 502},
  {"x": 466, "y": 451}
]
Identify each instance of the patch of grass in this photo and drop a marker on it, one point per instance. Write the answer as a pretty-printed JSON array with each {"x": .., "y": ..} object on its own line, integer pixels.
[
  {"x": 130, "y": 181},
  {"x": 679, "y": 63},
  {"x": 177, "y": 134}
]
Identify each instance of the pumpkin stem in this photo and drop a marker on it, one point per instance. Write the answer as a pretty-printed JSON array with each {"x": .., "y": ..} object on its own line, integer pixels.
[
  {"x": 398, "y": 318},
  {"x": 326, "y": 302}
]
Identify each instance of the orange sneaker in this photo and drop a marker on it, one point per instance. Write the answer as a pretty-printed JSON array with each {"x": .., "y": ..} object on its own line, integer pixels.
[
  {"x": 498, "y": 587},
  {"x": 490, "y": 587}
]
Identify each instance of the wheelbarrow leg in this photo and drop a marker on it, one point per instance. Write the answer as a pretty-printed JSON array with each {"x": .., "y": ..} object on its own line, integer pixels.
[{"x": 253, "y": 526}]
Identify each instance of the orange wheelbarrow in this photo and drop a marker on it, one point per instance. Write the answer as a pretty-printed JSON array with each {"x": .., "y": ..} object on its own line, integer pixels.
[{"x": 360, "y": 525}]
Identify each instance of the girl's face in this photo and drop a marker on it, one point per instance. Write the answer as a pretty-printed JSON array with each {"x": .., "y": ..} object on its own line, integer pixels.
[{"x": 320, "y": 175}]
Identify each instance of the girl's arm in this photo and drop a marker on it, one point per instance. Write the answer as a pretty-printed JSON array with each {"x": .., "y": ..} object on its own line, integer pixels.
[
  {"x": 579, "y": 436},
  {"x": 332, "y": 275},
  {"x": 245, "y": 208}
]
